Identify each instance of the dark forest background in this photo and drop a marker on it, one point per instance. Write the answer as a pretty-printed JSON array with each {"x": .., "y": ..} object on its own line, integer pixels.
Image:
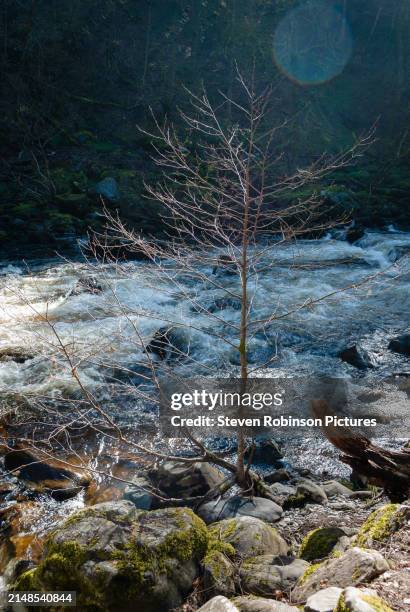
[{"x": 78, "y": 76}]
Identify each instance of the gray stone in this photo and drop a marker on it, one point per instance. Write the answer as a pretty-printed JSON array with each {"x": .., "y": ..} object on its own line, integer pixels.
[
  {"x": 355, "y": 566},
  {"x": 280, "y": 489},
  {"x": 280, "y": 475},
  {"x": 265, "y": 574},
  {"x": 332, "y": 488},
  {"x": 401, "y": 345},
  {"x": 311, "y": 491},
  {"x": 261, "y": 604},
  {"x": 361, "y": 495},
  {"x": 108, "y": 188},
  {"x": 258, "y": 507},
  {"x": 178, "y": 479},
  {"x": 219, "y": 604},
  {"x": 324, "y": 600},
  {"x": 219, "y": 574},
  {"x": 139, "y": 493},
  {"x": 249, "y": 536},
  {"x": 363, "y": 600}
]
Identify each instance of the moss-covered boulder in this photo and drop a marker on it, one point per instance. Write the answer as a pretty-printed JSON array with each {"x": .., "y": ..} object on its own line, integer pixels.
[
  {"x": 249, "y": 537},
  {"x": 118, "y": 558},
  {"x": 266, "y": 574},
  {"x": 361, "y": 600},
  {"x": 381, "y": 524},
  {"x": 355, "y": 566},
  {"x": 319, "y": 543},
  {"x": 219, "y": 574}
]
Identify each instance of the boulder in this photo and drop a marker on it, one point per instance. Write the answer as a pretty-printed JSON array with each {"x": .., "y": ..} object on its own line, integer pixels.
[
  {"x": 168, "y": 342},
  {"x": 238, "y": 505},
  {"x": 225, "y": 264},
  {"x": 353, "y": 567},
  {"x": 324, "y": 600},
  {"x": 265, "y": 450},
  {"x": 401, "y": 345},
  {"x": 45, "y": 476},
  {"x": 311, "y": 491},
  {"x": 249, "y": 537},
  {"x": 354, "y": 234},
  {"x": 139, "y": 493},
  {"x": 280, "y": 475},
  {"x": 219, "y": 604},
  {"x": 178, "y": 479},
  {"x": 280, "y": 489},
  {"x": 333, "y": 488},
  {"x": 266, "y": 574},
  {"x": 361, "y": 600},
  {"x": 108, "y": 188},
  {"x": 86, "y": 285},
  {"x": 319, "y": 543},
  {"x": 15, "y": 354},
  {"x": 381, "y": 524},
  {"x": 260, "y": 604},
  {"x": 117, "y": 558},
  {"x": 219, "y": 574},
  {"x": 356, "y": 357}
]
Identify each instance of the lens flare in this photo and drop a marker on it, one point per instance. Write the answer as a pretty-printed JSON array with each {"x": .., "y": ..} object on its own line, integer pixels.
[{"x": 313, "y": 43}]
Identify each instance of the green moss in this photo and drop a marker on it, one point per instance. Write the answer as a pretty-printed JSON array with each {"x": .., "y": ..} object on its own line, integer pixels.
[
  {"x": 308, "y": 572},
  {"x": 319, "y": 543},
  {"x": 379, "y": 525},
  {"x": 28, "y": 581},
  {"x": 341, "y": 605},
  {"x": 377, "y": 604},
  {"x": 294, "y": 501}
]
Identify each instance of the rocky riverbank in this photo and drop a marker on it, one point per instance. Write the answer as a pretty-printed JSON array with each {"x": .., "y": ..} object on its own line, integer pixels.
[{"x": 320, "y": 546}]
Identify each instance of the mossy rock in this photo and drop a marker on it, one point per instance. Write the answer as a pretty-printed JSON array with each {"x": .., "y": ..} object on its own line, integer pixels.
[
  {"x": 249, "y": 537},
  {"x": 319, "y": 543},
  {"x": 361, "y": 600},
  {"x": 381, "y": 524},
  {"x": 115, "y": 557}
]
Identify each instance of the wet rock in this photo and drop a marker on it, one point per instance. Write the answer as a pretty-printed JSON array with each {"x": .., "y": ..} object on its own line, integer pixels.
[
  {"x": 225, "y": 264},
  {"x": 361, "y": 600},
  {"x": 401, "y": 345},
  {"x": 353, "y": 567},
  {"x": 219, "y": 604},
  {"x": 333, "y": 488},
  {"x": 257, "y": 507},
  {"x": 219, "y": 574},
  {"x": 319, "y": 543},
  {"x": 354, "y": 234},
  {"x": 266, "y": 574},
  {"x": 361, "y": 494},
  {"x": 224, "y": 303},
  {"x": 15, "y": 568},
  {"x": 169, "y": 342},
  {"x": 311, "y": 491},
  {"x": 139, "y": 493},
  {"x": 44, "y": 476},
  {"x": 249, "y": 537},
  {"x": 265, "y": 451},
  {"x": 260, "y": 604},
  {"x": 324, "y": 600},
  {"x": 356, "y": 357},
  {"x": 186, "y": 480},
  {"x": 398, "y": 252},
  {"x": 108, "y": 188},
  {"x": 121, "y": 559},
  {"x": 280, "y": 475},
  {"x": 86, "y": 285},
  {"x": 15, "y": 354}
]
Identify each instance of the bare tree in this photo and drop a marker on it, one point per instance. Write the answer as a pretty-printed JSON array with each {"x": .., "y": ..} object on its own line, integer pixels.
[{"x": 229, "y": 209}]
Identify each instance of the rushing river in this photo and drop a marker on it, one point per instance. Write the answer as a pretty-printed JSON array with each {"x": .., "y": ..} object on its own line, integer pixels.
[{"x": 105, "y": 330}]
